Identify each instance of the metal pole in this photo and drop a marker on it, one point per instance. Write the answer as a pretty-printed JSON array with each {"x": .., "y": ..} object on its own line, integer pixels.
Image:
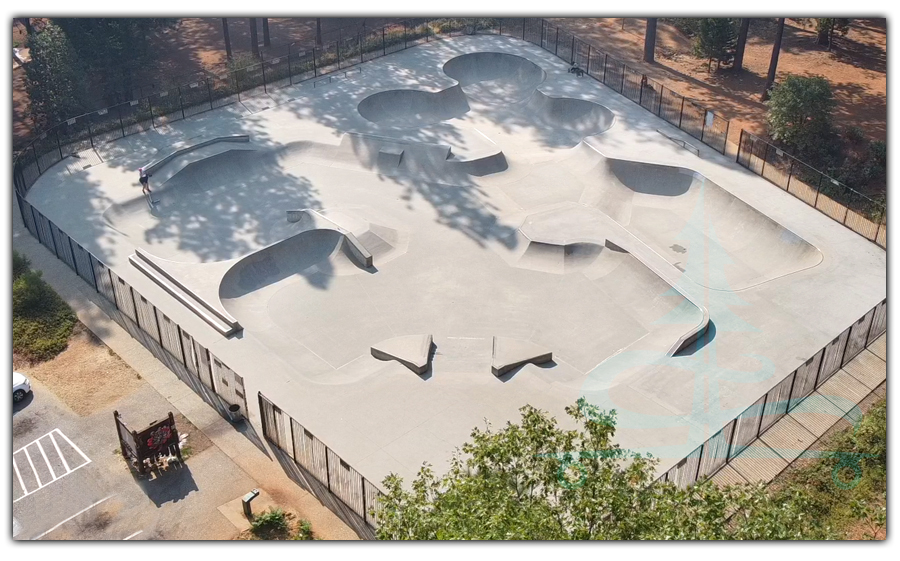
[
  {"x": 542, "y": 33},
  {"x": 36, "y": 161},
  {"x": 360, "y": 46},
  {"x": 290, "y": 77},
  {"x": 818, "y": 189},
  {"x": 624, "y": 69},
  {"x": 740, "y": 144},
  {"x": 383, "y": 44},
  {"x": 404, "y": 34},
  {"x": 121, "y": 124},
  {"x": 725, "y": 144},
  {"x": 338, "y": 49},
  {"x": 523, "y": 27},
  {"x": 681, "y": 115},
  {"x": 641, "y": 94},
  {"x": 181, "y": 102},
  {"x": 573, "y": 49},
  {"x": 556, "y": 42},
  {"x": 150, "y": 105},
  {"x": 605, "y": 63},
  {"x": 787, "y": 186},
  {"x": 765, "y": 157},
  {"x": 58, "y": 145},
  {"x": 315, "y": 70},
  {"x": 703, "y": 128},
  {"x": 91, "y": 132},
  {"x": 589, "y": 61}
]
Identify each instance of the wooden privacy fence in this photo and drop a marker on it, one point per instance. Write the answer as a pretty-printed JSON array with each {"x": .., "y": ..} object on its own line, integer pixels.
[
  {"x": 864, "y": 215},
  {"x": 157, "y": 332},
  {"x": 737, "y": 435},
  {"x": 320, "y": 461}
]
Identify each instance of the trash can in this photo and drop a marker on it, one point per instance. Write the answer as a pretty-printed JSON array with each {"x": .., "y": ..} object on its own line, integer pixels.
[{"x": 234, "y": 413}]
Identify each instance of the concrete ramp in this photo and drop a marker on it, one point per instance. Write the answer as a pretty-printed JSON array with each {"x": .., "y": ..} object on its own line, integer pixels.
[
  {"x": 412, "y": 351},
  {"x": 584, "y": 117},
  {"x": 509, "y": 354},
  {"x": 413, "y": 108},
  {"x": 495, "y": 78}
]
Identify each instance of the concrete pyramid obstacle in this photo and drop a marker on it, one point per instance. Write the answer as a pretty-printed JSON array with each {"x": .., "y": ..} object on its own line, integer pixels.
[
  {"x": 509, "y": 354},
  {"x": 412, "y": 351}
]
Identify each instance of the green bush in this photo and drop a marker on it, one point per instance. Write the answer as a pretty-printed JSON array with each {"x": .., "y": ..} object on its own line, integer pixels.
[
  {"x": 716, "y": 39},
  {"x": 42, "y": 321},
  {"x": 304, "y": 531},
  {"x": 270, "y": 524},
  {"x": 21, "y": 265}
]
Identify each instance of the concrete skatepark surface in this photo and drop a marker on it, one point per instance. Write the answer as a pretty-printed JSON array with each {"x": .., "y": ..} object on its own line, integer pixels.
[{"x": 499, "y": 197}]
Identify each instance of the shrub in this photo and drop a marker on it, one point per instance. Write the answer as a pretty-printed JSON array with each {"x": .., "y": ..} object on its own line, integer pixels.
[
  {"x": 304, "y": 530},
  {"x": 270, "y": 524},
  {"x": 688, "y": 26},
  {"x": 42, "y": 321},
  {"x": 21, "y": 265}
]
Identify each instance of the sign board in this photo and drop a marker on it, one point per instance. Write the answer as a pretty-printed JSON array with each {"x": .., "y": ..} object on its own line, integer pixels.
[
  {"x": 779, "y": 153},
  {"x": 710, "y": 117}
]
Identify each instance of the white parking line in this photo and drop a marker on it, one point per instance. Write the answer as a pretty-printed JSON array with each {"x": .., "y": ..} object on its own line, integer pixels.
[
  {"x": 132, "y": 535},
  {"x": 55, "y": 452},
  {"x": 82, "y": 511}
]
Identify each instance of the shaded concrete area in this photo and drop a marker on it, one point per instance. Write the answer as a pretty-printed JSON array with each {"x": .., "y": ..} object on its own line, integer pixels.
[{"x": 634, "y": 245}]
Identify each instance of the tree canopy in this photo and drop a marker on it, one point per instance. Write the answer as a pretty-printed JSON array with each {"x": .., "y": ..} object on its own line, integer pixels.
[
  {"x": 716, "y": 39},
  {"x": 55, "y": 78},
  {"x": 799, "y": 115},
  {"x": 114, "y": 50},
  {"x": 534, "y": 480}
]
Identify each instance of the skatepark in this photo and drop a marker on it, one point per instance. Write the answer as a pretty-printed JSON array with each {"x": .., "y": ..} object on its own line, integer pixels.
[{"x": 460, "y": 229}]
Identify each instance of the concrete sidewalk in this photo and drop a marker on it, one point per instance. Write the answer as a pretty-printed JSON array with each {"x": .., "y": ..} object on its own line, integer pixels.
[{"x": 255, "y": 458}]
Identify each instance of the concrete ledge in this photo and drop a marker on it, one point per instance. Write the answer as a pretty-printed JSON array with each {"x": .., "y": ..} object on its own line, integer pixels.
[
  {"x": 154, "y": 166},
  {"x": 219, "y": 320},
  {"x": 508, "y": 354},
  {"x": 412, "y": 351}
]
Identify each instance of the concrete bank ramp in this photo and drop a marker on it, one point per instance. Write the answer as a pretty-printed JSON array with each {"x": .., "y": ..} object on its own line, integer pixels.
[
  {"x": 509, "y": 354},
  {"x": 718, "y": 240},
  {"x": 322, "y": 251},
  {"x": 412, "y": 351}
]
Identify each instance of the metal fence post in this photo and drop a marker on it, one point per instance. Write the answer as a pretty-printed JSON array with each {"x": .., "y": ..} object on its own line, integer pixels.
[
  {"x": 542, "y": 33},
  {"x": 740, "y": 145},
  {"x": 90, "y": 132},
  {"x": 681, "y": 115},
  {"x": 383, "y": 44},
  {"x": 818, "y": 189},
  {"x": 315, "y": 70},
  {"x": 787, "y": 186},
  {"x": 121, "y": 124},
  {"x": 573, "y": 49},
  {"x": 762, "y": 171},
  {"x": 605, "y": 64},
  {"x": 181, "y": 102},
  {"x": 624, "y": 70},
  {"x": 36, "y": 161},
  {"x": 150, "y": 105},
  {"x": 703, "y": 126},
  {"x": 262, "y": 65},
  {"x": 209, "y": 94},
  {"x": 523, "y": 28},
  {"x": 641, "y": 93},
  {"x": 404, "y": 34},
  {"x": 360, "y": 46},
  {"x": 556, "y": 42},
  {"x": 589, "y": 61},
  {"x": 58, "y": 145},
  {"x": 725, "y": 144},
  {"x": 338, "y": 49}
]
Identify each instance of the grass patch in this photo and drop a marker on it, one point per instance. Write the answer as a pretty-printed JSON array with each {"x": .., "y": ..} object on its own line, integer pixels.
[
  {"x": 42, "y": 321},
  {"x": 277, "y": 524},
  {"x": 847, "y": 489}
]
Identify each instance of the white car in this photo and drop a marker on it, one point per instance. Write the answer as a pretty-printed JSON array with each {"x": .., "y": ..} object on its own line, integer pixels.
[{"x": 21, "y": 387}]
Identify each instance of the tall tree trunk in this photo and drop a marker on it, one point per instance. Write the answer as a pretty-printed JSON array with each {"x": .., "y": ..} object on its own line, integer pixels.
[
  {"x": 266, "y": 41},
  {"x": 227, "y": 38},
  {"x": 773, "y": 63},
  {"x": 254, "y": 38},
  {"x": 318, "y": 32},
  {"x": 650, "y": 40},
  {"x": 29, "y": 29},
  {"x": 831, "y": 33},
  {"x": 741, "y": 44}
]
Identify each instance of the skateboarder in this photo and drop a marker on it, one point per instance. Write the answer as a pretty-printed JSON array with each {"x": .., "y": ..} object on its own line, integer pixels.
[{"x": 145, "y": 181}]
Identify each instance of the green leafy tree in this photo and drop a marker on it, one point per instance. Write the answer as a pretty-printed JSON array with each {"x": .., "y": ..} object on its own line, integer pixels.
[
  {"x": 799, "y": 115},
  {"x": 55, "y": 77},
  {"x": 827, "y": 27},
  {"x": 536, "y": 481},
  {"x": 115, "y": 51},
  {"x": 716, "y": 39}
]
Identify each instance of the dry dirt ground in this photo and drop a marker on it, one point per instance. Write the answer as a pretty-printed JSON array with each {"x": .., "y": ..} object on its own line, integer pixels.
[
  {"x": 87, "y": 376},
  {"x": 856, "y": 67}
]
